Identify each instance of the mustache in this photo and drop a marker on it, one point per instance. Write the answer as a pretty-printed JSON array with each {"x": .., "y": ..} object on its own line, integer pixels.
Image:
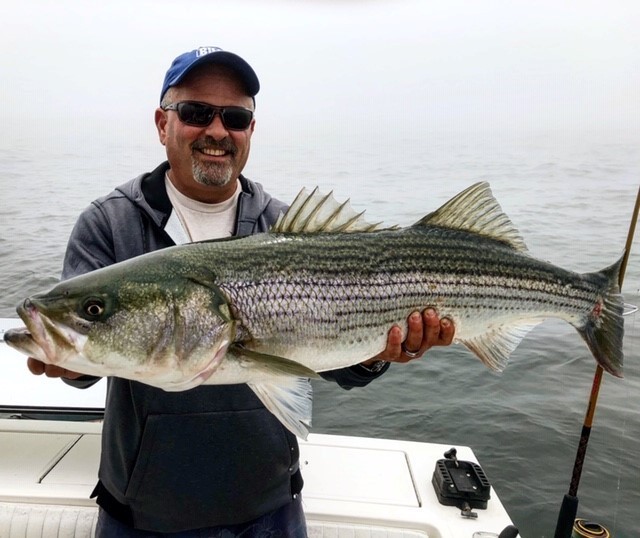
[{"x": 208, "y": 142}]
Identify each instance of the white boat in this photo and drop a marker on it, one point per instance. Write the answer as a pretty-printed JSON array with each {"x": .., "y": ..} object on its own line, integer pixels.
[{"x": 354, "y": 487}]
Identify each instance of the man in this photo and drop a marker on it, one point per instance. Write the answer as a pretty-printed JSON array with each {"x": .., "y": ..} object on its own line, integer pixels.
[{"x": 211, "y": 461}]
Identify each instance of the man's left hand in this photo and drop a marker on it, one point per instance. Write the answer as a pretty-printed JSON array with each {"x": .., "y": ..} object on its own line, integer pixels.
[{"x": 425, "y": 331}]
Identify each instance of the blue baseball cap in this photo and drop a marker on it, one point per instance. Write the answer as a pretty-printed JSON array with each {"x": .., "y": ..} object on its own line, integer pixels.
[{"x": 184, "y": 63}]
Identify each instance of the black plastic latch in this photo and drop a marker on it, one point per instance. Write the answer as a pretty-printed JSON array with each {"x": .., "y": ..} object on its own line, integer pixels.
[{"x": 461, "y": 483}]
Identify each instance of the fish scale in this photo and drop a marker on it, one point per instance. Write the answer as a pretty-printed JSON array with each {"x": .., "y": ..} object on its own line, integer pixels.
[{"x": 333, "y": 289}]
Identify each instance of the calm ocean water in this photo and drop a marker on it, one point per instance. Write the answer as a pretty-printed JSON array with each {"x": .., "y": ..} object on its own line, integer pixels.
[{"x": 572, "y": 199}]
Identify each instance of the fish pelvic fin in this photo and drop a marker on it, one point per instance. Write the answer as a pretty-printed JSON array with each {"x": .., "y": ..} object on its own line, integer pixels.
[
  {"x": 317, "y": 212},
  {"x": 290, "y": 400},
  {"x": 475, "y": 210},
  {"x": 603, "y": 329},
  {"x": 495, "y": 346}
]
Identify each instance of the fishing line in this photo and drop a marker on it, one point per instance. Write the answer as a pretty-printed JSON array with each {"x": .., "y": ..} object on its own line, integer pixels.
[
  {"x": 569, "y": 507},
  {"x": 623, "y": 443}
]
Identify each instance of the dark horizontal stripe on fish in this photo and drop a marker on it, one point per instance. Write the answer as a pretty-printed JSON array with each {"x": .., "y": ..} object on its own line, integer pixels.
[{"x": 449, "y": 285}]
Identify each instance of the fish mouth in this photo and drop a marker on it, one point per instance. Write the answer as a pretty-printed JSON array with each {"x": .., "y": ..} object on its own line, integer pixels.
[
  {"x": 43, "y": 338},
  {"x": 21, "y": 340}
]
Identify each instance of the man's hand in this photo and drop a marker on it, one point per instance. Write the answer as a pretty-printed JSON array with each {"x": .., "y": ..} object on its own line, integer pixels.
[
  {"x": 425, "y": 331},
  {"x": 37, "y": 367}
]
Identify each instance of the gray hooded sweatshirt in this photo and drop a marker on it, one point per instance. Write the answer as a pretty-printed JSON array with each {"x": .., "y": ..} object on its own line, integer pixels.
[{"x": 212, "y": 455}]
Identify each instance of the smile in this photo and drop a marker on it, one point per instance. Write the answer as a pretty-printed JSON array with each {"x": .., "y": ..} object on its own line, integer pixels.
[{"x": 213, "y": 152}]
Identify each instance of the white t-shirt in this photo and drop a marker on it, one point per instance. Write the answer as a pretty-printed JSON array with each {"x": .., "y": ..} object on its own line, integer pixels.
[{"x": 201, "y": 221}]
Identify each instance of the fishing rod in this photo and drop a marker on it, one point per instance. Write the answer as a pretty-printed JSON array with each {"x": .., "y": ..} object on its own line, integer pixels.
[{"x": 569, "y": 507}]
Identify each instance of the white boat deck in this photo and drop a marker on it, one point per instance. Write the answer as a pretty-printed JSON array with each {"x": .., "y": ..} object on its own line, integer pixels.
[{"x": 354, "y": 487}]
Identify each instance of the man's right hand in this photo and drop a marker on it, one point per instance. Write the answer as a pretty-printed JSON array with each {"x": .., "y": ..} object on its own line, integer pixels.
[{"x": 37, "y": 367}]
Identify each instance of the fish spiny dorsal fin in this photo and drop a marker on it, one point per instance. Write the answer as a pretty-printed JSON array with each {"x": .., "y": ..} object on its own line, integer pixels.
[
  {"x": 316, "y": 212},
  {"x": 476, "y": 210}
]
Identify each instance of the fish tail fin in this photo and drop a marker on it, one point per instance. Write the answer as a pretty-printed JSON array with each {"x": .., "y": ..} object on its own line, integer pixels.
[{"x": 603, "y": 329}]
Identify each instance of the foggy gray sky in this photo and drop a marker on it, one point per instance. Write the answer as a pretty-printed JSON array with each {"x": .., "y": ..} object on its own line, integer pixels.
[{"x": 335, "y": 64}]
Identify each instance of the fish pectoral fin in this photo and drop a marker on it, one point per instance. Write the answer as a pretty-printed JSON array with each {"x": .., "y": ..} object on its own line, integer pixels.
[
  {"x": 271, "y": 364},
  {"x": 290, "y": 400},
  {"x": 495, "y": 346}
]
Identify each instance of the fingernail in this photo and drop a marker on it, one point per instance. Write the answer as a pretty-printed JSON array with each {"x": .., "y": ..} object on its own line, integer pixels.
[
  {"x": 430, "y": 312},
  {"x": 415, "y": 316}
]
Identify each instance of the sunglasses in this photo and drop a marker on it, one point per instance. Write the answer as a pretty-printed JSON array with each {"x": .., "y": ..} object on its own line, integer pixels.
[{"x": 234, "y": 118}]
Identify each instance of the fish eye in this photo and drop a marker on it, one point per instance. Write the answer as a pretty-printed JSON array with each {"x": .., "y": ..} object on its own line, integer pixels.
[{"x": 93, "y": 307}]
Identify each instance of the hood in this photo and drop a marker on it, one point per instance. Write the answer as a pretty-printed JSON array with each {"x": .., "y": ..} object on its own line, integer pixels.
[{"x": 148, "y": 192}]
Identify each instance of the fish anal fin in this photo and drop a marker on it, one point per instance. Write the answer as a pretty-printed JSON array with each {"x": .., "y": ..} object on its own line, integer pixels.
[
  {"x": 476, "y": 210},
  {"x": 271, "y": 364},
  {"x": 316, "y": 212},
  {"x": 493, "y": 347},
  {"x": 290, "y": 400}
]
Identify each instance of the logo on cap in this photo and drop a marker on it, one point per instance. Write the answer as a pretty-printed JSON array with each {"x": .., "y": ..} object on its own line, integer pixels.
[{"x": 203, "y": 51}]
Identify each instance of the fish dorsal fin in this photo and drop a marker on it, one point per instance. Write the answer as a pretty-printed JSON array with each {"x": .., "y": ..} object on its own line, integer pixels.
[
  {"x": 316, "y": 212},
  {"x": 476, "y": 210}
]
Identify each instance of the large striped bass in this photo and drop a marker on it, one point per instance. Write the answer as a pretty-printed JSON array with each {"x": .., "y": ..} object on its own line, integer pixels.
[{"x": 319, "y": 292}]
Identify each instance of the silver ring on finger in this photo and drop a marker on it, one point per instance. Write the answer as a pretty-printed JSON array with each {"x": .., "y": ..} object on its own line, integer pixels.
[{"x": 410, "y": 354}]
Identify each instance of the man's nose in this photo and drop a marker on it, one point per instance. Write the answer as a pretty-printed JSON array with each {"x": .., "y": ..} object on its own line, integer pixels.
[{"x": 216, "y": 128}]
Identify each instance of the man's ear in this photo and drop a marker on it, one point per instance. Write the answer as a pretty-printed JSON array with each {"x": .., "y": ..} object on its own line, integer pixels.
[{"x": 161, "y": 124}]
